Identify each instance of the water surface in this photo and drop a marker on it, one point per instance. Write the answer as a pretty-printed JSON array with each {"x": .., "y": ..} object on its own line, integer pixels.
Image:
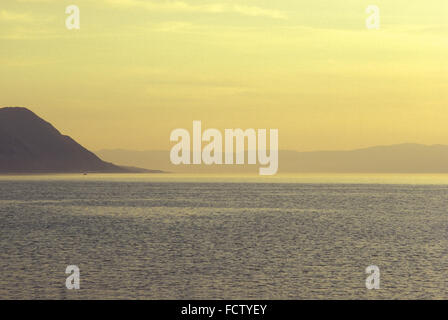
[{"x": 186, "y": 237}]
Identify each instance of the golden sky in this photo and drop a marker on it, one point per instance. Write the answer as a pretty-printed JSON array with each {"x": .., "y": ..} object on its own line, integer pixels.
[{"x": 137, "y": 69}]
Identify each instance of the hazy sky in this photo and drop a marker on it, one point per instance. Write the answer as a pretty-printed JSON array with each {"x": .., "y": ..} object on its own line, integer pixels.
[{"x": 138, "y": 69}]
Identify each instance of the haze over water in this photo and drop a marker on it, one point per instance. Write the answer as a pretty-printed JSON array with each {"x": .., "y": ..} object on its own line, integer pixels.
[{"x": 187, "y": 237}]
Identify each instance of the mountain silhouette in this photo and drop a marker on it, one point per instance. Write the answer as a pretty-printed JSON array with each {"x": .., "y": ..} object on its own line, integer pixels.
[
  {"x": 399, "y": 158},
  {"x": 28, "y": 144}
]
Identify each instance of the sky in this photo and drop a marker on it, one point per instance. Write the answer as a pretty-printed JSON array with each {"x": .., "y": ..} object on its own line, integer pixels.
[{"x": 138, "y": 69}]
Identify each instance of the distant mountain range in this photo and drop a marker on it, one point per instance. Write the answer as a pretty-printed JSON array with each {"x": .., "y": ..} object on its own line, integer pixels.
[
  {"x": 28, "y": 144},
  {"x": 401, "y": 158}
]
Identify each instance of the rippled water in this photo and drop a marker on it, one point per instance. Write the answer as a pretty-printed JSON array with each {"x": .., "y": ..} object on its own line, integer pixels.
[{"x": 166, "y": 239}]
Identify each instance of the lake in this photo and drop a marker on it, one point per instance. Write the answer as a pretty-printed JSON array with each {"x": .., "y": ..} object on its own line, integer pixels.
[{"x": 218, "y": 237}]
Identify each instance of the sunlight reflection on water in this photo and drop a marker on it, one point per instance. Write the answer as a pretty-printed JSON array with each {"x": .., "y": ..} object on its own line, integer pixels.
[{"x": 161, "y": 237}]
